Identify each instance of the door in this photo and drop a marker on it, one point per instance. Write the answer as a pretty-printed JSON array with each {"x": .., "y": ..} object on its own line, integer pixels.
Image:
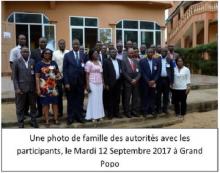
[{"x": 91, "y": 36}]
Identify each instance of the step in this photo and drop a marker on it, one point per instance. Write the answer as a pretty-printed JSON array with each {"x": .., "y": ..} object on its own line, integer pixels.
[{"x": 135, "y": 122}]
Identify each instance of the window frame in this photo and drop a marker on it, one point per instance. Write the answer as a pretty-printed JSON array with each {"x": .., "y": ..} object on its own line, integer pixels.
[
  {"x": 139, "y": 30},
  {"x": 28, "y": 24},
  {"x": 105, "y": 28},
  {"x": 82, "y": 27}
]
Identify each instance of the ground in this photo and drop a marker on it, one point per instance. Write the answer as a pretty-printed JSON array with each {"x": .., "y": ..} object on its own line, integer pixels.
[{"x": 198, "y": 120}]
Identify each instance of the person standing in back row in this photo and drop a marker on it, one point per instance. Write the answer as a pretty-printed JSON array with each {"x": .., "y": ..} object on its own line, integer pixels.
[
  {"x": 58, "y": 56},
  {"x": 164, "y": 81},
  {"x": 36, "y": 55}
]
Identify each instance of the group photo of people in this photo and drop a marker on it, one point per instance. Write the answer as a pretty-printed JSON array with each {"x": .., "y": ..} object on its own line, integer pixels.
[{"x": 105, "y": 82}]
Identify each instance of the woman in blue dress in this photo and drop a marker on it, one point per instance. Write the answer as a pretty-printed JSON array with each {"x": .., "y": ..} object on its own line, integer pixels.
[{"x": 47, "y": 74}]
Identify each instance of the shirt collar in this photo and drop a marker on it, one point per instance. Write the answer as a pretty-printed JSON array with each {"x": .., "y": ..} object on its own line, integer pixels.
[{"x": 24, "y": 59}]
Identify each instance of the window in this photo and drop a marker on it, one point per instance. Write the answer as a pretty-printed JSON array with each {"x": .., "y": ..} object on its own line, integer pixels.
[
  {"x": 76, "y": 21},
  {"x": 147, "y": 38},
  {"x": 119, "y": 24},
  {"x": 27, "y": 18},
  {"x": 146, "y": 25},
  {"x": 105, "y": 35},
  {"x": 85, "y": 29},
  {"x": 130, "y": 35},
  {"x": 130, "y": 24},
  {"x": 77, "y": 34},
  {"x": 34, "y": 26},
  {"x": 158, "y": 38},
  {"x": 141, "y": 32},
  {"x": 91, "y": 22},
  {"x": 119, "y": 35}
]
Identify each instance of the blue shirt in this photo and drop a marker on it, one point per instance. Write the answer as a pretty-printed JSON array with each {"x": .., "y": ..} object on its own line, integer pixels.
[{"x": 150, "y": 61}]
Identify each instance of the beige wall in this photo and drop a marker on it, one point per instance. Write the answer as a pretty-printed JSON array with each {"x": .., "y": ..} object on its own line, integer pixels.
[{"x": 107, "y": 12}]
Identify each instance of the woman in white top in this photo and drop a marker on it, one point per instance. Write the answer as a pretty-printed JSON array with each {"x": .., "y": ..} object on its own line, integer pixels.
[
  {"x": 181, "y": 87},
  {"x": 94, "y": 81}
]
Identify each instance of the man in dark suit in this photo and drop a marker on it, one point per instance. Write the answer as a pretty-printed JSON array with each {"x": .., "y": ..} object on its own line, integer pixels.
[
  {"x": 36, "y": 53},
  {"x": 164, "y": 81},
  {"x": 131, "y": 73},
  {"x": 74, "y": 81},
  {"x": 24, "y": 85},
  {"x": 173, "y": 56},
  {"x": 150, "y": 71},
  {"x": 112, "y": 80},
  {"x": 36, "y": 56}
]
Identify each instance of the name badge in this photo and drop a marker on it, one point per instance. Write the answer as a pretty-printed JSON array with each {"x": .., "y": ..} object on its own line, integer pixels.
[
  {"x": 137, "y": 70},
  {"x": 168, "y": 65},
  {"x": 83, "y": 65},
  {"x": 32, "y": 72},
  {"x": 155, "y": 67}
]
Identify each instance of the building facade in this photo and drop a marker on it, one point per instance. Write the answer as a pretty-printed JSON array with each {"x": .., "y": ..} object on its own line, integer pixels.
[
  {"x": 192, "y": 23},
  {"x": 142, "y": 22}
]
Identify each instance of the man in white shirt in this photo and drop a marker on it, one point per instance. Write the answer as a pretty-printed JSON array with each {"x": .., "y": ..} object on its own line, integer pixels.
[
  {"x": 58, "y": 56},
  {"x": 15, "y": 53},
  {"x": 120, "y": 51}
]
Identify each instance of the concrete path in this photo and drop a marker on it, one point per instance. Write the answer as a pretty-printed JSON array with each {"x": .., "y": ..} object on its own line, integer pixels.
[
  {"x": 198, "y": 100},
  {"x": 198, "y": 81}
]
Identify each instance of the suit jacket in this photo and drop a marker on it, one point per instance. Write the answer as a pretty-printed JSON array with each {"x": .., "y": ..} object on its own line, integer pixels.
[
  {"x": 23, "y": 78},
  {"x": 36, "y": 55},
  {"x": 109, "y": 73},
  {"x": 73, "y": 72},
  {"x": 104, "y": 57},
  {"x": 146, "y": 74},
  {"x": 127, "y": 71},
  {"x": 175, "y": 55},
  {"x": 169, "y": 68}
]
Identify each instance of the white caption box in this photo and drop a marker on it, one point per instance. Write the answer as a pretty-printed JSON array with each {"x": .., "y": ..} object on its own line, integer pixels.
[{"x": 185, "y": 150}]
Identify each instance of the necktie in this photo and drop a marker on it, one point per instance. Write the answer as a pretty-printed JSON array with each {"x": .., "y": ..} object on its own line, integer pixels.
[
  {"x": 132, "y": 65},
  {"x": 77, "y": 57}
]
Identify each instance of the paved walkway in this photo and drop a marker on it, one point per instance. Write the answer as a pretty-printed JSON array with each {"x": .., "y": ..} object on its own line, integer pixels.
[
  {"x": 195, "y": 96},
  {"x": 197, "y": 80}
]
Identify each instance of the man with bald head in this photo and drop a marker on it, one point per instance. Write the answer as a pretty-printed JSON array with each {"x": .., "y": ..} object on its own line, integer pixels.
[
  {"x": 150, "y": 71},
  {"x": 131, "y": 74},
  {"x": 143, "y": 49},
  {"x": 15, "y": 53},
  {"x": 165, "y": 80},
  {"x": 58, "y": 56},
  {"x": 128, "y": 45}
]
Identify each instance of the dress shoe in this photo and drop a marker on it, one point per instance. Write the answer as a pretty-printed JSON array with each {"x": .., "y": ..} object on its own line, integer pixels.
[
  {"x": 69, "y": 123},
  {"x": 128, "y": 115},
  {"x": 81, "y": 121},
  {"x": 34, "y": 124},
  {"x": 118, "y": 116},
  {"x": 21, "y": 125},
  {"x": 154, "y": 114}
]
